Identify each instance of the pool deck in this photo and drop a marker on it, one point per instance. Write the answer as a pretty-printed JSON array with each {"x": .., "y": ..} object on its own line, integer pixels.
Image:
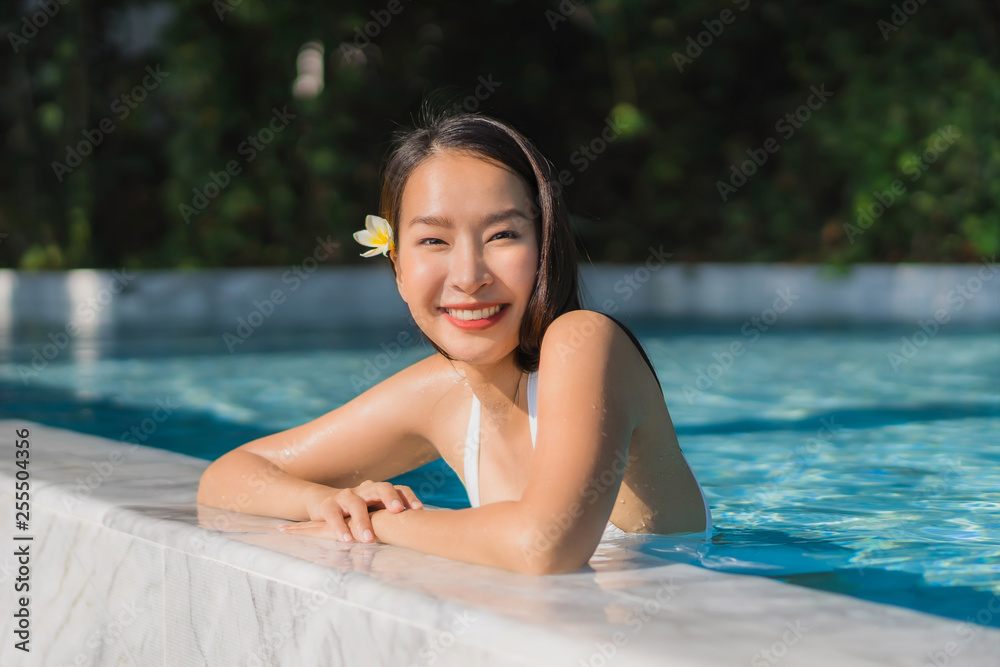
[{"x": 126, "y": 568}]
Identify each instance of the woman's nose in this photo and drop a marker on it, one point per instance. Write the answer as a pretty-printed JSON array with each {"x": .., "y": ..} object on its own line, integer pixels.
[{"x": 469, "y": 269}]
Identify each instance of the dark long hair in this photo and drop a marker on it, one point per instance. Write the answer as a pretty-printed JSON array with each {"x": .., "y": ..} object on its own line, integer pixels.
[{"x": 557, "y": 286}]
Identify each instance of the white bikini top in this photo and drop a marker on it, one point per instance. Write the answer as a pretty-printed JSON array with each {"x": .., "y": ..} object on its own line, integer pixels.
[
  {"x": 471, "y": 459},
  {"x": 472, "y": 437}
]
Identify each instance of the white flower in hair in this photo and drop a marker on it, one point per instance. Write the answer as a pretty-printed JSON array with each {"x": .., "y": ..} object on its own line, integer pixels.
[{"x": 377, "y": 233}]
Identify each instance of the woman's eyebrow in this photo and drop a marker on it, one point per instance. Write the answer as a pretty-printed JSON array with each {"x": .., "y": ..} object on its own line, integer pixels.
[
  {"x": 490, "y": 219},
  {"x": 502, "y": 215}
]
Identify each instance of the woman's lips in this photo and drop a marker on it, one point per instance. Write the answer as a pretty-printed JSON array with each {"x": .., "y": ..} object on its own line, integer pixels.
[{"x": 475, "y": 325}]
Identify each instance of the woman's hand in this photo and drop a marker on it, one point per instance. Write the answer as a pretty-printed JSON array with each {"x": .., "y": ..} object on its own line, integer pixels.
[{"x": 328, "y": 512}]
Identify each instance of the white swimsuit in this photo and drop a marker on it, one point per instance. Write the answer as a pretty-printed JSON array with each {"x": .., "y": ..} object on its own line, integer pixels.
[{"x": 472, "y": 457}]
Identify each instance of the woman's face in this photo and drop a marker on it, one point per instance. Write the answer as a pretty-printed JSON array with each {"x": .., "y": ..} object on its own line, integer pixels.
[{"x": 465, "y": 244}]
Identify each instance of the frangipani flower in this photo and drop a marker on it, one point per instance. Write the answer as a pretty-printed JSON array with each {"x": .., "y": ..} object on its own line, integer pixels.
[{"x": 377, "y": 233}]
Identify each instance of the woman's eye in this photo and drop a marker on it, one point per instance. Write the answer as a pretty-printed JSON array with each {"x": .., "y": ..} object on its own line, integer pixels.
[{"x": 512, "y": 234}]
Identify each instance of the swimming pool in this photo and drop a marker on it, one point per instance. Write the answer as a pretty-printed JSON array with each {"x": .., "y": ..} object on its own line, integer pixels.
[{"x": 860, "y": 461}]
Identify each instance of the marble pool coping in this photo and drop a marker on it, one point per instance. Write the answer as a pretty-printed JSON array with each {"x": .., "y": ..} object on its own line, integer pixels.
[{"x": 126, "y": 568}]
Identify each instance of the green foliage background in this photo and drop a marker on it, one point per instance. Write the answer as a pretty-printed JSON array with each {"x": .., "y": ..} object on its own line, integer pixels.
[{"x": 562, "y": 70}]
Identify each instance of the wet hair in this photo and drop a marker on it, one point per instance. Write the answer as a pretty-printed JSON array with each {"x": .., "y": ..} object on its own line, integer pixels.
[{"x": 557, "y": 285}]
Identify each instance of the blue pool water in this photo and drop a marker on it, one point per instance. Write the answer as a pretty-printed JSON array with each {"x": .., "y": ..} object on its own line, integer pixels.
[{"x": 827, "y": 461}]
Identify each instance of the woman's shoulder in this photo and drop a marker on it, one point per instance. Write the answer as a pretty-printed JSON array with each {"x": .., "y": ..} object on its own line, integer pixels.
[
  {"x": 429, "y": 383},
  {"x": 413, "y": 389},
  {"x": 576, "y": 329},
  {"x": 598, "y": 345},
  {"x": 413, "y": 396},
  {"x": 427, "y": 376}
]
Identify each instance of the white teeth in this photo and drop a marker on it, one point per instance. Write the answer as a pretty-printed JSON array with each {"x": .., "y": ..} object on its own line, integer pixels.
[{"x": 474, "y": 314}]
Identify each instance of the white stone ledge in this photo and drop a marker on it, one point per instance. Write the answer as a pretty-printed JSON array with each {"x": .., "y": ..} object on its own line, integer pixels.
[
  {"x": 135, "y": 572},
  {"x": 218, "y": 298}
]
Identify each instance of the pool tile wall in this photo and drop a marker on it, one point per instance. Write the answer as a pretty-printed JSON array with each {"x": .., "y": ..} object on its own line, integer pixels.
[{"x": 218, "y": 298}]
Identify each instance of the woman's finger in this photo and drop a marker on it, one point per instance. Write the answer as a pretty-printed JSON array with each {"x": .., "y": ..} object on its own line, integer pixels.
[
  {"x": 381, "y": 495},
  {"x": 309, "y": 528},
  {"x": 391, "y": 498},
  {"x": 409, "y": 497},
  {"x": 360, "y": 524},
  {"x": 335, "y": 517}
]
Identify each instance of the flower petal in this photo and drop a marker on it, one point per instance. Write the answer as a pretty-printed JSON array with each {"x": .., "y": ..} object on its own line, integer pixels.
[
  {"x": 365, "y": 237},
  {"x": 375, "y": 224}
]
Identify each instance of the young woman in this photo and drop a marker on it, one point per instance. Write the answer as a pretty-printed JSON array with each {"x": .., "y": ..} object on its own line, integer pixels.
[{"x": 552, "y": 415}]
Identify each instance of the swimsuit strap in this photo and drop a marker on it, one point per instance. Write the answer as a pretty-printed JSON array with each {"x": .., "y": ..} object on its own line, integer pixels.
[
  {"x": 533, "y": 405},
  {"x": 472, "y": 453}
]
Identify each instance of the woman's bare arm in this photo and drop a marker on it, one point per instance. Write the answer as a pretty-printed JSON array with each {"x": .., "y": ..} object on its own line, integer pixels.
[
  {"x": 375, "y": 436},
  {"x": 242, "y": 481}
]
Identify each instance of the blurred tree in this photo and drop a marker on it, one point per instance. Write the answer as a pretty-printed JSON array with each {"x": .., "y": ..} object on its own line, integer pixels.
[{"x": 198, "y": 134}]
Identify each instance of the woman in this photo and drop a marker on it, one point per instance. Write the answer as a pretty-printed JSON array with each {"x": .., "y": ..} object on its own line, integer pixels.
[{"x": 567, "y": 427}]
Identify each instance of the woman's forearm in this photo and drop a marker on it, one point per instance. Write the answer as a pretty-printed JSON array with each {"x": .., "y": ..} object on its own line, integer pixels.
[
  {"x": 242, "y": 481},
  {"x": 491, "y": 534}
]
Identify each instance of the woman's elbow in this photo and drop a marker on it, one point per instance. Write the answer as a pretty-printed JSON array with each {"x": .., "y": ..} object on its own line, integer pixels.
[
  {"x": 551, "y": 565},
  {"x": 206, "y": 487},
  {"x": 539, "y": 554},
  {"x": 203, "y": 495}
]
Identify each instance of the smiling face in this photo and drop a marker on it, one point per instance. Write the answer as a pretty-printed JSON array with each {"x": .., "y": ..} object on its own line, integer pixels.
[{"x": 466, "y": 245}]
